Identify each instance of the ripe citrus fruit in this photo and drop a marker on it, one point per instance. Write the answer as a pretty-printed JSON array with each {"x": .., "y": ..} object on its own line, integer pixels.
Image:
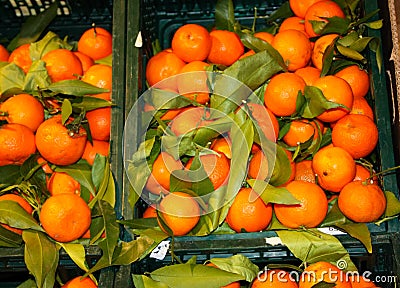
[
  {"x": 222, "y": 145},
  {"x": 45, "y": 166},
  {"x": 364, "y": 174},
  {"x": 150, "y": 212},
  {"x": 319, "y": 49},
  {"x": 192, "y": 82},
  {"x": 161, "y": 172},
  {"x": 268, "y": 37},
  {"x": 167, "y": 115},
  {"x": 265, "y": 120},
  {"x": 80, "y": 282},
  {"x": 362, "y": 107},
  {"x": 294, "y": 47},
  {"x": 248, "y": 212},
  {"x": 99, "y": 121},
  {"x": 357, "y": 134},
  {"x": 99, "y": 75},
  {"x": 22, "y": 202},
  {"x": 17, "y": 143},
  {"x": 362, "y": 202},
  {"x": 65, "y": 217},
  {"x": 191, "y": 42},
  {"x": 216, "y": 166},
  {"x": 94, "y": 148},
  {"x": 274, "y": 278},
  {"x": 300, "y": 7},
  {"x": 281, "y": 93},
  {"x": 293, "y": 22},
  {"x": 336, "y": 90},
  {"x": 301, "y": 131},
  {"x": 95, "y": 42},
  {"x": 59, "y": 145},
  {"x": 86, "y": 61},
  {"x": 309, "y": 74},
  {"x": 61, "y": 182},
  {"x": 226, "y": 47},
  {"x": 4, "y": 54},
  {"x": 320, "y": 11},
  {"x": 62, "y": 64},
  {"x": 311, "y": 210},
  {"x": 357, "y": 78},
  {"x": 304, "y": 171},
  {"x": 180, "y": 212},
  {"x": 23, "y": 109},
  {"x": 21, "y": 57},
  {"x": 258, "y": 166},
  {"x": 323, "y": 271},
  {"x": 189, "y": 119},
  {"x": 334, "y": 168}
]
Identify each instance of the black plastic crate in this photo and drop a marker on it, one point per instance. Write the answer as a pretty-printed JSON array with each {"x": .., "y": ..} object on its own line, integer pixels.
[{"x": 73, "y": 18}]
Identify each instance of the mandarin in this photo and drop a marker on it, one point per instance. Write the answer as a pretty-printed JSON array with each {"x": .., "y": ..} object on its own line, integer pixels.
[
  {"x": 320, "y": 47},
  {"x": 21, "y": 57},
  {"x": 99, "y": 121},
  {"x": 258, "y": 166},
  {"x": 300, "y": 7},
  {"x": 62, "y": 64},
  {"x": 323, "y": 271},
  {"x": 226, "y": 47},
  {"x": 4, "y": 54},
  {"x": 293, "y": 22},
  {"x": 94, "y": 148},
  {"x": 80, "y": 282},
  {"x": 304, "y": 171},
  {"x": 189, "y": 119},
  {"x": 61, "y": 182},
  {"x": 86, "y": 61},
  {"x": 357, "y": 78},
  {"x": 99, "y": 75},
  {"x": 362, "y": 107},
  {"x": 309, "y": 74},
  {"x": 222, "y": 145},
  {"x": 265, "y": 121},
  {"x": 300, "y": 131},
  {"x": 96, "y": 43},
  {"x": 266, "y": 36}
]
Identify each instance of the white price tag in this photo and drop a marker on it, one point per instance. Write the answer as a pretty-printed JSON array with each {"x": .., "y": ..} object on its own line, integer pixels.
[
  {"x": 273, "y": 241},
  {"x": 139, "y": 41},
  {"x": 331, "y": 231},
  {"x": 161, "y": 250}
]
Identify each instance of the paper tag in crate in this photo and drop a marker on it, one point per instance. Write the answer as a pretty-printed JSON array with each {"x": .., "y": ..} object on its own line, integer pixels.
[
  {"x": 331, "y": 231},
  {"x": 161, "y": 250}
]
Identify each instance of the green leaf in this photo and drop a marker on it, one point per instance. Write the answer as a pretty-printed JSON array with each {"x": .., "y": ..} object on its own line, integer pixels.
[
  {"x": 378, "y": 24},
  {"x": 359, "y": 231},
  {"x": 350, "y": 53},
  {"x": 98, "y": 170},
  {"x": 317, "y": 103},
  {"x": 81, "y": 172},
  {"x": 254, "y": 70},
  {"x": 393, "y": 204},
  {"x": 30, "y": 283},
  {"x": 271, "y": 194},
  {"x": 77, "y": 254},
  {"x": 9, "y": 239},
  {"x": 138, "y": 174},
  {"x": 238, "y": 264},
  {"x": 334, "y": 25},
  {"x": 282, "y": 169},
  {"x": 311, "y": 246},
  {"x": 140, "y": 223},
  {"x": 142, "y": 281},
  {"x": 41, "y": 257},
  {"x": 37, "y": 77},
  {"x": 33, "y": 27},
  {"x": 11, "y": 76},
  {"x": 374, "y": 45},
  {"x": 51, "y": 41},
  {"x": 361, "y": 43},
  {"x": 194, "y": 276},
  {"x": 88, "y": 103},
  {"x": 9, "y": 175},
  {"x": 283, "y": 11},
  {"x": 13, "y": 214},
  {"x": 75, "y": 87},
  {"x": 66, "y": 111},
  {"x": 105, "y": 180},
  {"x": 224, "y": 15}
]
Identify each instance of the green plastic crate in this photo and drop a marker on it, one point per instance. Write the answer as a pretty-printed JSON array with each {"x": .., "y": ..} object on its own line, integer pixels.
[{"x": 73, "y": 18}]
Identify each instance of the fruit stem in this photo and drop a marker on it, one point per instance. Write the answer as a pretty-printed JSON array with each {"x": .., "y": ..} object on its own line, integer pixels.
[
  {"x": 94, "y": 29},
  {"x": 382, "y": 172},
  {"x": 3, "y": 113}
]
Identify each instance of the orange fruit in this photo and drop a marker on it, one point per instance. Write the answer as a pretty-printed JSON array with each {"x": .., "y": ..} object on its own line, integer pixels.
[
  {"x": 23, "y": 109},
  {"x": 80, "y": 282},
  {"x": 192, "y": 82},
  {"x": 246, "y": 54},
  {"x": 265, "y": 120},
  {"x": 61, "y": 182},
  {"x": 281, "y": 93},
  {"x": 4, "y": 54},
  {"x": 191, "y": 42},
  {"x": 311, "y": 210},
  {"x": 86, "y": 61},
  {"x": 360, "y": 281},
  {"x": 320, "y": 11},
  {"x": 266, "y": 36},
  {"x": 304, "y": 171},
  {"x": 150, "y": 212},
  {"x": 92, "y": 149},
  {"x": 357, "y": 78},
  {"x": 226, "y": 47},
  {"x": 168, "y": 115},
  {"x": 334, "y": 168},
  {"x": 217, "y": 168},
  {"x": 299, "y": 7},
  {"x": 46, "y": 168},
  {"x": 99, "y": 121},
  {"x": 293, "y": 22},
  {"x": 235, "y": 284},
  {"x": 65, "y": 217},
  {"x": 323, "y": 271},
  {"x": 59, "y": 145},
  {"x": 363, "y": 173},
  {"x": 180, "y": 212},
  {"x": 21, "y": 57},
  {"x": 161, "y": 172},
  {"x": 309, "y": 74},
  {"x": 274, "y": 278},
  {"x": 258, "y": 166},
  {"x": 362, "y": 202},
  {"x": 161, "y": 66},
  {"x": 336, "y": 90},
  {"x": 357, "y": 134},
  {"x": 17, "y": 143},
  {"x": 62, "y": 64},
  {"x": 99, "y": 75},
  {"x": 301, "y": 131},
  {"x": 319, "y": 49},
  {"x": 22, "y": 202},
  {"x": 362, "y": 107},
  {"x": 189, "y": 119},
  {"x": 95, "y": 42},
  {"x": 248, "y": 212},
  {"x": 222, "y": 145},
  {"x": 294, "y": 47}
]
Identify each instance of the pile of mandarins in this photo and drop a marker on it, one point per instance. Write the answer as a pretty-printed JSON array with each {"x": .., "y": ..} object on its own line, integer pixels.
[{"x": 335, "y": 172}]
